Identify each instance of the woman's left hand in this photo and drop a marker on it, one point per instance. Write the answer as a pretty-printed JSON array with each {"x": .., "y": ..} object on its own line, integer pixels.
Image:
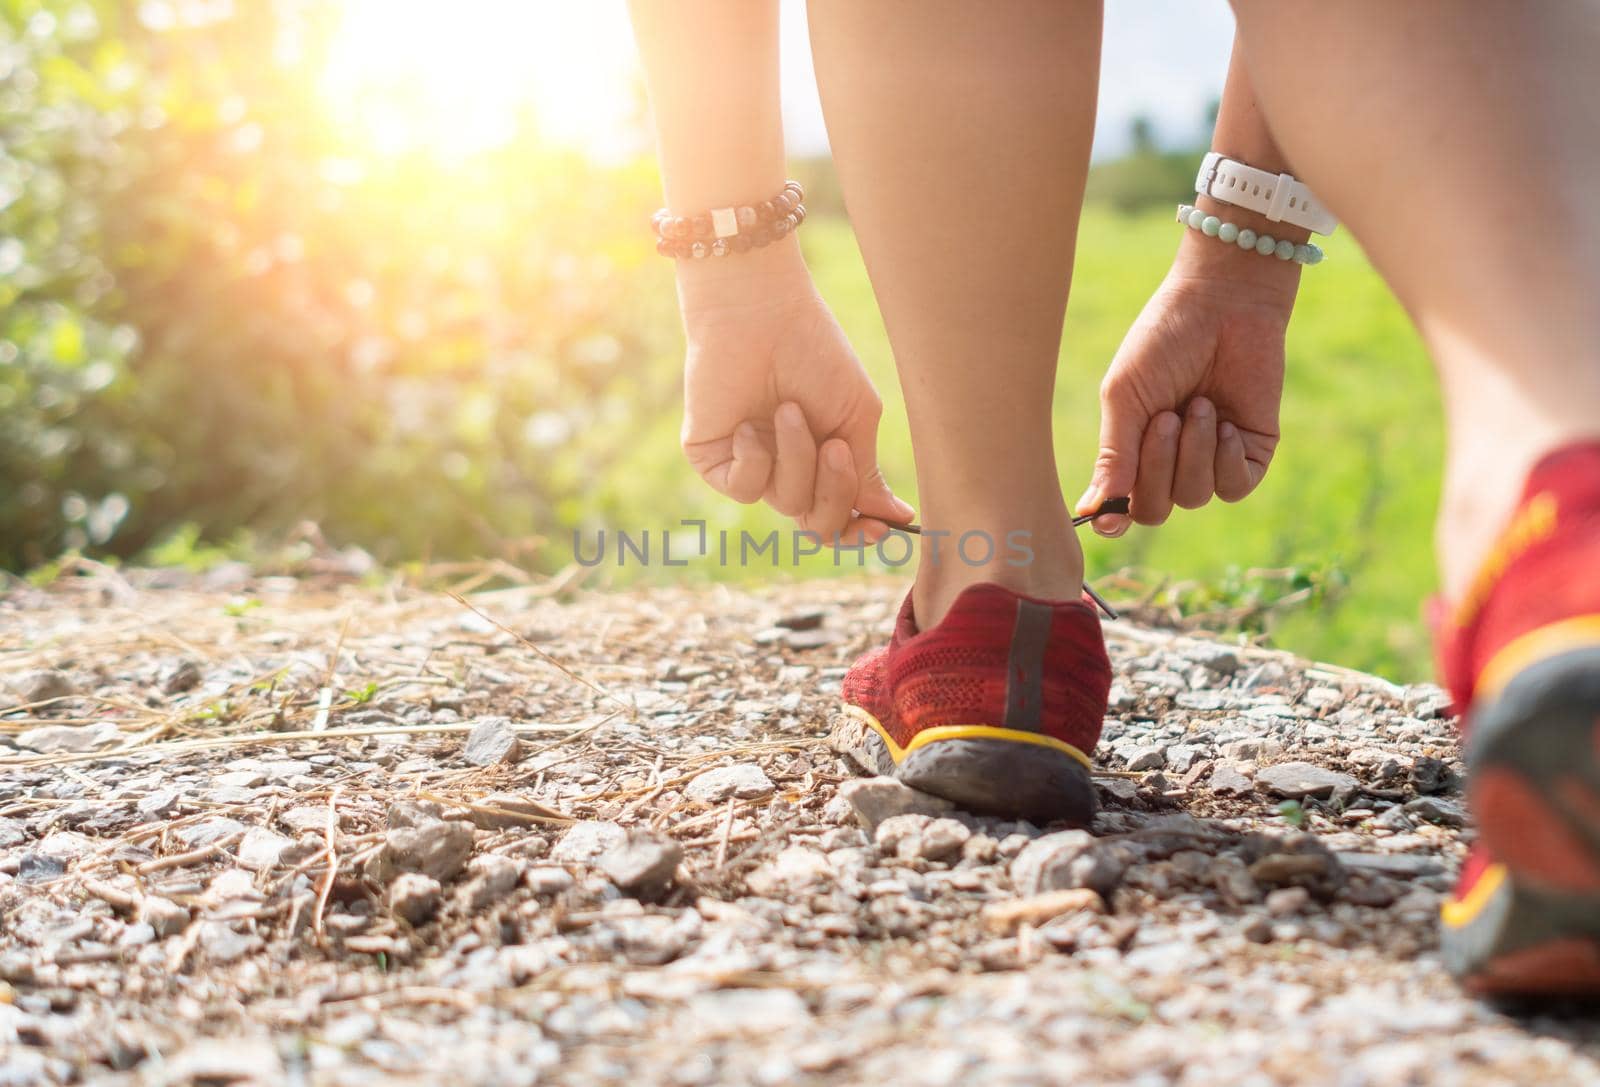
[{"x": 1189, "y": 407}]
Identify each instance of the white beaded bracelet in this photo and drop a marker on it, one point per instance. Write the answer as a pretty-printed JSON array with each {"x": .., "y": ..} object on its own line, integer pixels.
[{"x": 1212, "y": 227}]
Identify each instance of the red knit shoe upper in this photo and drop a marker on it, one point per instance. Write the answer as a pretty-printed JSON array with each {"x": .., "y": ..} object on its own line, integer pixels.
[
  {"x": 1544, "y": 571},
  {"x": 998, "y": 658}
]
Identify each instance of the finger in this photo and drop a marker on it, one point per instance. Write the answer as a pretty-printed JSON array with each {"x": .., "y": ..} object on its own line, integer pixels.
[
  {"x": 795, "y": 473},
  {"x": 1116, "y": 467},
  {"x": 874, "y": 496},
  {"x": 1158, "y": 457},
  {"x": 1234, "y": 478},
  {"x": 835, "y": 492},
  {"x": 1193, "y": 480},
  {"x": 752, "y": 465}
]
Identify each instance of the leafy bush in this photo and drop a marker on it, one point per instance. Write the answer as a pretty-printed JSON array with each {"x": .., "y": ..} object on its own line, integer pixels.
[{"x": 211, "y": 314}]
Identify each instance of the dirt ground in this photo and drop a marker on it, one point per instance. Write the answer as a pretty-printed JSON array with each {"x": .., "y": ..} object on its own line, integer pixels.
[{"x": 305, "y": 832}]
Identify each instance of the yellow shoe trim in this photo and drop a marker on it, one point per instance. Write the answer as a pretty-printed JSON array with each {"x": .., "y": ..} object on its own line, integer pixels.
[
  {"x": 1460, "y": 912},
  {"x": 963, "y": 732},
  {"x": 1534, "y": 646}
]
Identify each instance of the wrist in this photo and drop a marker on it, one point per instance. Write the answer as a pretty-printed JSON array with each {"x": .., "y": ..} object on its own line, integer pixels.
[
  {"x": 1255, "y": 277},
  {"x": 772, "y": 274}
]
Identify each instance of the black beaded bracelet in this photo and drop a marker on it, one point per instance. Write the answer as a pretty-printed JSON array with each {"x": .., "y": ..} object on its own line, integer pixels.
[{"x": 721, "y": 231}]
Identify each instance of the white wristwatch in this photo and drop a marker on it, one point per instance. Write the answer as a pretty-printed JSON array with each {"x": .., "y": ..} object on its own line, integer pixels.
[{"x": 1277, "y": 196}]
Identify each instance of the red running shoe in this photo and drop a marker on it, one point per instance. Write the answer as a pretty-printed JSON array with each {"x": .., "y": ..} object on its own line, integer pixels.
[
  {"x": 996, "y": 708},
  {"x": 1521, "y": 655}
]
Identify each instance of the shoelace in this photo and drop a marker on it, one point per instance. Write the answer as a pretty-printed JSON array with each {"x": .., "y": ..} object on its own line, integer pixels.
[{"x": 1110, "y": 505}]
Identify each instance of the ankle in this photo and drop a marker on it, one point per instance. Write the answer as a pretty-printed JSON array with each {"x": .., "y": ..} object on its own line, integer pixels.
[{"x": 1041, "y": 561}]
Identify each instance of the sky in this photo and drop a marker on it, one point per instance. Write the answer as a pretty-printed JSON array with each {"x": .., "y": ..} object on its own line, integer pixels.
[
  {"x": 1165, "y": 59},
  {"x": 405, "y": 75}
]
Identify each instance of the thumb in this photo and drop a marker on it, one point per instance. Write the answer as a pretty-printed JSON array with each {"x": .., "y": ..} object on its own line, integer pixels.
[
  {"x": 1116, "y": 466},
  {"x": 874, "y": 497}
]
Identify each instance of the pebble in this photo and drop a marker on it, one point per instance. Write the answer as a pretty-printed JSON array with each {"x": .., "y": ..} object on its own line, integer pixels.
[
  {"x": 643, "y": 863},
  {"x": 1146, "y": 757},
  {"x": 492, "y": 742},
  {"x": 184, "y": 676},
  {"x": 489, "y": 879},
  {"x": 163, "y": 915},
  {"x": 1302, "y": 779},
  {"x": 72, "y": 739},
  {"x": 415, "y": 897},
  {"x": 587, "y": 841},
  {"x": 42, "y": 685},
  {"x": 1287, "y": 900},
  {"x": 438, "y": 848},
  {"x": 875, "y": 799},
  {"x": 260, "y": 849},
  {"x": 1437, "y": 809},
  {"x": 742, "y": 781},
  {"x": 1229, "y": 779}
]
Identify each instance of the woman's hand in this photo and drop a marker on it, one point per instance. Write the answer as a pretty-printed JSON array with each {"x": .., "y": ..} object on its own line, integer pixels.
[
  {"x": 776, "y": 404},
  {"x": 1189, "y": 407}
]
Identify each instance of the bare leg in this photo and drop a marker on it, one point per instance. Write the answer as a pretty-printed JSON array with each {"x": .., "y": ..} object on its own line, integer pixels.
[
  {"x": 1458, "y": 142},
  {"x": 961, "y": 133}
]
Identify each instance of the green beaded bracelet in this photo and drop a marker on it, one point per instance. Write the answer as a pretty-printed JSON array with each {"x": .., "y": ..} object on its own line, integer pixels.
[{"x": 1212, "y": 227}]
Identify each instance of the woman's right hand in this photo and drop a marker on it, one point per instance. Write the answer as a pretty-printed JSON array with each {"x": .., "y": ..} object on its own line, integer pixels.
[{"x": 776, "y": 405}]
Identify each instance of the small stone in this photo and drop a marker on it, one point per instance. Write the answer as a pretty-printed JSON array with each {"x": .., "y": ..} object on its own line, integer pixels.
[
  {"x": 415, "y": 897},
  {"x": 548, "y": 880},
  {"x": 207, "y": 832},
  {"x": 642, "y": 864},
  {"x": 1436, "y": 809},
  {"x": 260, "y": 849},
  {"x": 804, "y": 620},
  {"x": 1180, "y": 757},
  {"x": 157, "y": 804},
  {"x": 492, "y": 742},
  {"x": 36, "y": 866},
  {"x": 74, "y": 739},
  {"x": 1258, "y": 929},
  {"x": 743, "y": 781},
  {"x": 793, "y": 869},
  {"x": 240, "y": 779},
  {"x": 438, "y": 849},
  {"x": 164, "y": 915},
  {"x": 491, "y": 878},
  {"x": 185, "y": 676},
  {"x": 223, "y": 945},
  {"x": 1397, "y": 865},
  {"x": 1006, "y": 917},
  {"x": 940, "y": 840},
  {"x": 1146, "y": 757},
  {"x": 1214, "y": 656},
  {"x": 1288, "y": 900},
  {"x": 42, "y": 685},
  {"x": 587, "y": 841},
  {"x": 1281, "y": 868},
  {"x": 1302, "y": 779},
  {"x": 236, "y": 1060},
  {"x": 1228, "y": 780},
  {"x": 1251, "y": 750},
  {"x": 1044, "y": 863},
  {"x": 1430, "y": 775}
]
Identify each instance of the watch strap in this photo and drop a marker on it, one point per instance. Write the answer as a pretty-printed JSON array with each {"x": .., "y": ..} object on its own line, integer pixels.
[{"x": 1279, "y": 197}]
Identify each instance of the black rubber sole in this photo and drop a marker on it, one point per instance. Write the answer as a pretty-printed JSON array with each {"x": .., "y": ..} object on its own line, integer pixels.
[
  {"x": 1014, "y": 779},
  {"x": 1533, "y": 758}
]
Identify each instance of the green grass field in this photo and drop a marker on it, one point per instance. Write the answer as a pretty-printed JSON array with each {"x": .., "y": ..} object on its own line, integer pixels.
[{"x": 1352, "y": 489}]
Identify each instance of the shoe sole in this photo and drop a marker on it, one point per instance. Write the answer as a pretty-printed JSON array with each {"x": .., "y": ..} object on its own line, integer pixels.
[
  {"x": 1531, "y": 923},
  {"x": 983, "y": 768}
]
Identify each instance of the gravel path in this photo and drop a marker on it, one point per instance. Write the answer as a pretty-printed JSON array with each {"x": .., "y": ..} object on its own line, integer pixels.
[{"x": 258, "y": 830}]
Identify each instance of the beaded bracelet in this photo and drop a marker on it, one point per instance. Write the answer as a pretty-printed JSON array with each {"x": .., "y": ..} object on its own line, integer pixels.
[
  {"x": 721, "y": 231},
  {"x": 1212, "y": 227}
]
